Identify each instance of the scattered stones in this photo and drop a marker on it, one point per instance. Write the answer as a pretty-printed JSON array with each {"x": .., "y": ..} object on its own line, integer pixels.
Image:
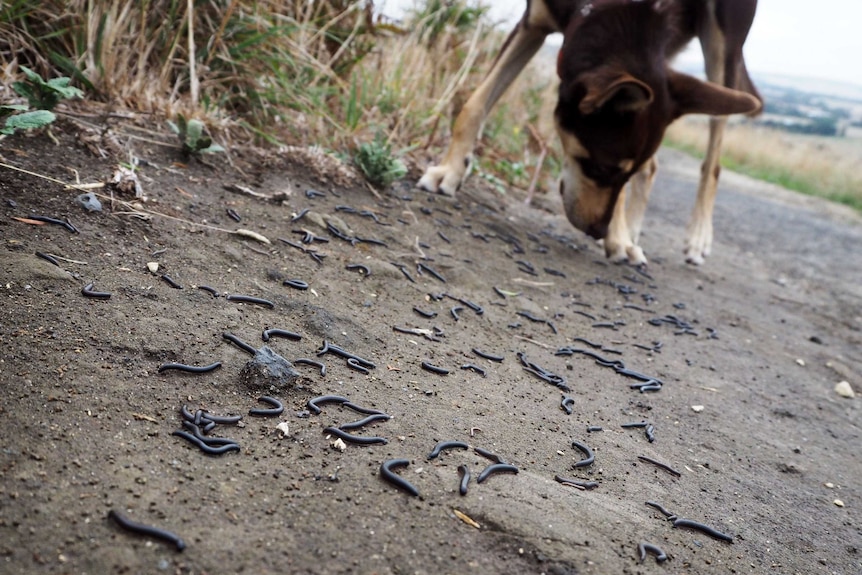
[
  {"x": 268, "y": 371},
  {"x": 844, "y": 390},
  {"x": 89, "y": 202}
]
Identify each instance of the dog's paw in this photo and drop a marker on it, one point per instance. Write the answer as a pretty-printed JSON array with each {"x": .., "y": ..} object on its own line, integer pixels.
[
  {"x": 698, "y": 245},
  {"x": 624, "y": 252},
  {"x": 441, "y": 179}
]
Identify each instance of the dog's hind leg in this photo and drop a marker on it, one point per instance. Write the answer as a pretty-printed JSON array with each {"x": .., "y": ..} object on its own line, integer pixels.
[
  {"x": 722, "y": 35},
  {"x": 524, "y": 41}
]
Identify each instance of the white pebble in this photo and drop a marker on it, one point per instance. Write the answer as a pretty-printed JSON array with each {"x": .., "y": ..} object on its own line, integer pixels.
[
  {"x": 153, "y": 267},
  {"x": 801, "y": 362},
  {"x": 283, "y": 428},
  {"x": 697, "y": 408},
  {"x": 838, "y": 503},
  {"x": 844, "y": 390}
]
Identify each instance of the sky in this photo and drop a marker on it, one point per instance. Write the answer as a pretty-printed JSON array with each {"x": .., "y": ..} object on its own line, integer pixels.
[{"x": 803, "y": 38}]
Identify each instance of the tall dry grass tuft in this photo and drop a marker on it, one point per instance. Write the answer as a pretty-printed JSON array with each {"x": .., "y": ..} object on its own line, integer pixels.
[
  {"x": 820, "y": 166},
  {"x": 327, "y": 73}
]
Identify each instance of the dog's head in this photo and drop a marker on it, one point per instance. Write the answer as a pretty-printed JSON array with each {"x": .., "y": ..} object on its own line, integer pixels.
[{"x": 617, "y": 97}]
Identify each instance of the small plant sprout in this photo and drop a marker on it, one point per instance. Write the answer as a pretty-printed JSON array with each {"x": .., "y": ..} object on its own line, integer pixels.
[
  {"x": 376, "y": 162},
  {"x": 192, "y": 136}
]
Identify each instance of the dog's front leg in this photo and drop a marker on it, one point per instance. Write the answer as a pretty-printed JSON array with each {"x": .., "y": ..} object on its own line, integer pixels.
[
  {"x": 619, "y": 246},
  {"x": 521, "y": 45},
  {"x": 699, "y": 238}
]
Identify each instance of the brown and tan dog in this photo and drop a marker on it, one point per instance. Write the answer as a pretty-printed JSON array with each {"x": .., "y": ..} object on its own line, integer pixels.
[{"x": 617, "y": 96}]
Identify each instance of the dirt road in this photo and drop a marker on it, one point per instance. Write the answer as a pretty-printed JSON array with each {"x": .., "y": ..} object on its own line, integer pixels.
[{"x": 760, "y": 446}]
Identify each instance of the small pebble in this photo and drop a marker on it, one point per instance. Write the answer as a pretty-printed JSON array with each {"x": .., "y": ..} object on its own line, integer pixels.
[
  {"x": 283, "y": 428},
  {"x": 697, "y": 408},
  {"x": 838, "y": 503},
  {"x": 153, "y": 267},
  {"x": 801, "y": 362},
  {"x": 844, "y": 390}
]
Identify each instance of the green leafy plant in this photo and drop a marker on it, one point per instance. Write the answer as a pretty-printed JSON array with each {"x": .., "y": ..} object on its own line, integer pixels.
[
  {"x": 377, "y": 163},
  {"x": 24, "y": 121},
  {"x": 45, "y": 94},
  {"x": 192, "y": 136}
]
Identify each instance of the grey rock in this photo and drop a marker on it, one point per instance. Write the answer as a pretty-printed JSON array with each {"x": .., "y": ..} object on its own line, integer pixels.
[
  {"x": 267, "y": 371},
  {"x": 89, "y": 202}
]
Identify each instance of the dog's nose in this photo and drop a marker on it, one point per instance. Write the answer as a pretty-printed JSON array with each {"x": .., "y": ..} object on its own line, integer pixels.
[{"x": 597, "y": 231}]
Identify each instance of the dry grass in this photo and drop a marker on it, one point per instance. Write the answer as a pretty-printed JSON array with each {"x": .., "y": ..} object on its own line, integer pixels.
[
  {"x": 820, "y": 166},
  {"x": 302, "y": 73}
]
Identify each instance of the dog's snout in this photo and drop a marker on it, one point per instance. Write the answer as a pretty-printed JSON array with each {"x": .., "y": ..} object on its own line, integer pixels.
[{"x": 597, "y": 231}]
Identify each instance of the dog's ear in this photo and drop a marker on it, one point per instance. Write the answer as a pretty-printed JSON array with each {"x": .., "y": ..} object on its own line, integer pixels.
[
  {"x": 622, "y": 91},
  {"x": 693, "y": 96}
]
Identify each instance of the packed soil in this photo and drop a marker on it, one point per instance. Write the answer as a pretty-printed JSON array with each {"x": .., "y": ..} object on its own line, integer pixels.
[{"x": 743, "y": 355}]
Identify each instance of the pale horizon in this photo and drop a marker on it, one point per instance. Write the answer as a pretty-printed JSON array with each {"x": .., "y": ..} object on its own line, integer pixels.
[{"x": 790, "y": 38}]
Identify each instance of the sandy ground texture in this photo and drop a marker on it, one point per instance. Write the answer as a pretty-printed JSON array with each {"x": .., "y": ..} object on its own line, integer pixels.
[{"x": 742, "y": 357}]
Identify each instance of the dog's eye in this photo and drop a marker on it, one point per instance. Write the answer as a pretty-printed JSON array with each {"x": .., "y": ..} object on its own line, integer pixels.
[{"x": 602, "y": 174}]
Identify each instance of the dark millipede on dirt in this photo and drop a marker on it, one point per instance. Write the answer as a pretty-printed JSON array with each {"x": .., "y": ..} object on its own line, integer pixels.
[
  {"x": 365, "y": 421},
  {"x": 300, "y": 215},
  {"x": 465, "y": 479},
  {"x": 305, "y": 361},
  {"x": 353, "y": 364},
  {"x": 209, "y": 450},
  {"x": 661, "y": 509},
  {"x": 589, "y": 457},
  {"x": 87, "y": 291},
  {"x": 634, "y": 424},
  {"x": 250, "y": 299},
  {"x": 276, "y": 410},
  {"x": 495, "y": 468},
  {"x": 314, "y": 404},
  {"x": 233, "y": 215},
  {"x": 149, "y": 530},
  {"x": 661, "y": 465},
  {"x": 361, "y": 409},
  {"x": 475, "y": 368},
  {"x": 567, "y": 403},
  {"x": 171, "y": 282},
  {"x": 486, "y": 355},
  {"x": 55, "y": 221},
  {"x": 649, "y": 432},
  {"x": 488, "y": 455},
  {"x": 48, "y": 258},
  {"x": 212, "y": 291},
  {"x": 434, "y": 369},
  {"x": 426, "y": 268},
  {"x": 425, "y": 314},
  {"x": 270, "y": 333},
  {"x": 341, "y": 352},
  {"x": 643, "y": 548},
  {"x": 239, "y": 343},
  {"x": 357, "y": 439},
  {"x": 295, "y": 284},
  {"x": 703, "y": 529},
  {"x": 587, "y": 485},
  {"x": 214, "y": 441},
  {"x": 190, "y": 368},
  {"x": 387, "y": 474},
  {"x": 594, "y": 428},
  {"x": 454, "y": 310},
  {"x": 443, "y": 445},
  {"x": 362, "y": 268}
]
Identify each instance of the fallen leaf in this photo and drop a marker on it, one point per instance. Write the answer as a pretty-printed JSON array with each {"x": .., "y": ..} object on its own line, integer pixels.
[
  {"x": 29, "y": 221},
  {"x": 466, "y": 519}
]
